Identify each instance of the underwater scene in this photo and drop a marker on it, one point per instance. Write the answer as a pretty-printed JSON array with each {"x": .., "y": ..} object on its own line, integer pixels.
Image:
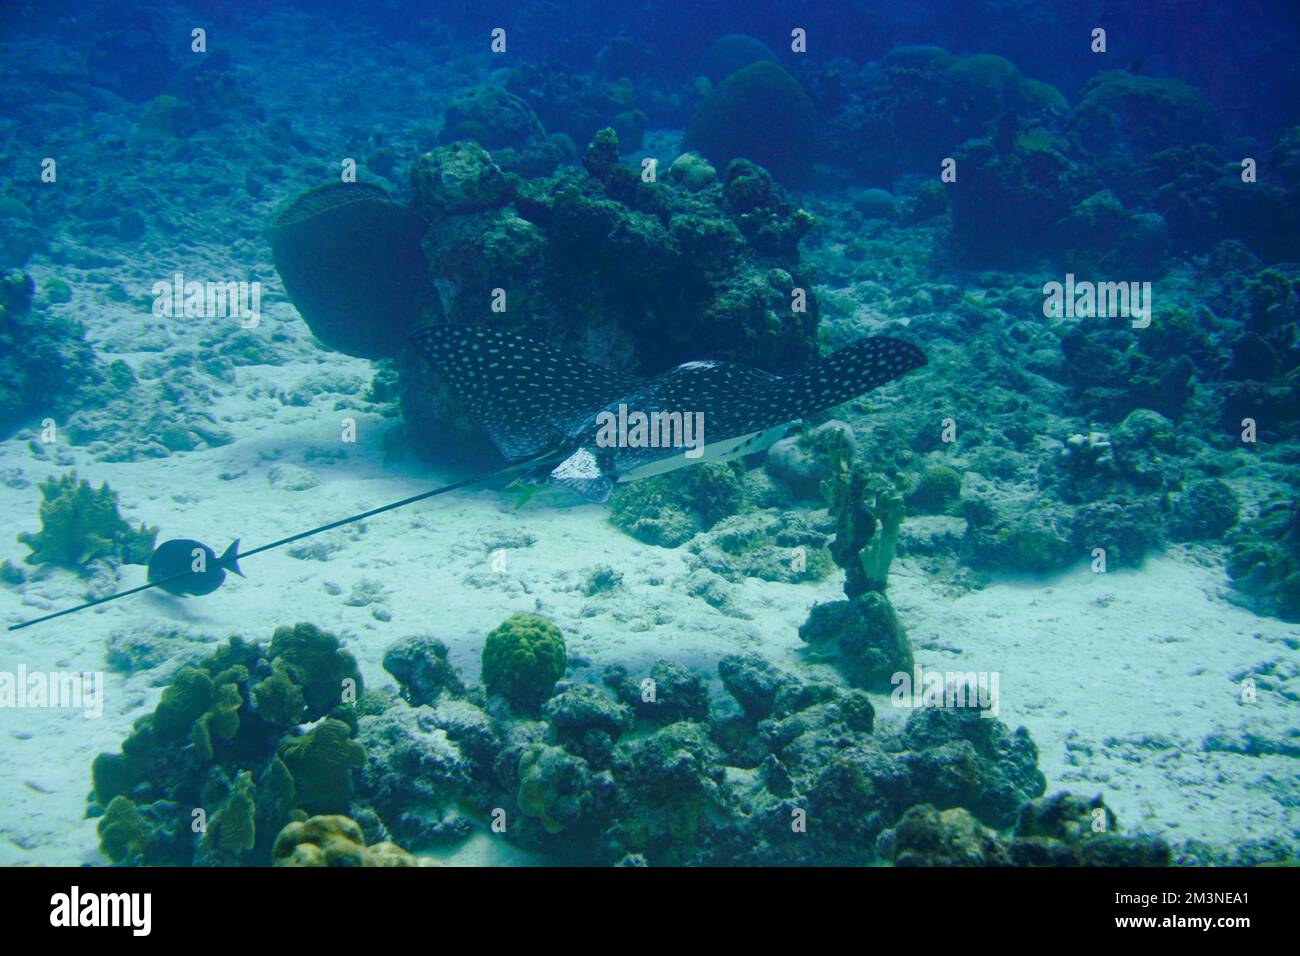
[{"x": 650, "y": 434}]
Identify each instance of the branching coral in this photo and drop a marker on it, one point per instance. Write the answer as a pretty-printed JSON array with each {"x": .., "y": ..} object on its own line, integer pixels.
[
  {"x": 868, "y": 513},
  {"x": 81, "y": 524}
]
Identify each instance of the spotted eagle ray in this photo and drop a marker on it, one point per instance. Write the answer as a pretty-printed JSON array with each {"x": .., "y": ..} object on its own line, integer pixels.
[
  {"x": 534, "y": 400},
  {"x": 545, "y": 410}
]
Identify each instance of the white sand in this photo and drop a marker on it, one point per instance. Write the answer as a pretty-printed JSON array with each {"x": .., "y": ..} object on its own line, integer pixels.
[{"x": 1119, "y": 677}]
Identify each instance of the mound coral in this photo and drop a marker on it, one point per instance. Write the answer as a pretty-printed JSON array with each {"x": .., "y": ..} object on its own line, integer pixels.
[
  {"x": 335, "y": 841},
  {"x": 864, "y": 636},
  {"x": 1051, "y": 831},
  {"x": 350, "y": 260},
  {"x": 668, "y": 510},
  {"x": 81, "y": 525},
  {"x": 493, "y": 117},
  {"x": 523, "y": 658},
  {"x": 759, "y": 113},
  {"x": 496, "y": 119},
  {"x": 657, "y": 776},
  {"x": 1121, "y": 116},
  {"x": 732, "y": 52},
  {"x": 938, "y": 488},
  {"x": 634, "y": 275}
]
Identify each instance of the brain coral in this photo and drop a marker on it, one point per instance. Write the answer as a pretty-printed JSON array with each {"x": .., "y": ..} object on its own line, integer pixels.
[
  {"x": 523, "y": 658},
  {"x": 759, "y": 113},
  {"x": 733, "y": 52}
]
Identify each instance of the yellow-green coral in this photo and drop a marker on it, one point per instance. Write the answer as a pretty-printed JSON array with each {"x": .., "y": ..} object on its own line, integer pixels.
[
  {"x": 318, "y": 664},
  {"x": 335, "y": 841},
  {"x": 222, "y": 720},
  {"x": 123, "y": 832},
  {"x": 523, "y": 658},
  {"x": 868, "y": 513},
  {"x": 879, "y": 554},
  {"x": 233, "y": 828},
  {"x": 184, "y": 701},
  {"x": 81, "y": 524},
  {"x": 321, "y": 762},
  {"x": 278, "y": 698}
]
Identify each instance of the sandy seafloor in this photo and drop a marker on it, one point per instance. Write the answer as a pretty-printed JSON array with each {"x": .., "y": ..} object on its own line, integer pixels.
[{"x": 1120, "y": 678}]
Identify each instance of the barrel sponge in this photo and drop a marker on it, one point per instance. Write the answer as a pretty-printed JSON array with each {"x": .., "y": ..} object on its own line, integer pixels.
[
  {"x": 523, "y": 658},
  {"x": 351, "y": 261},
  {"x": 759, "y": 113}
]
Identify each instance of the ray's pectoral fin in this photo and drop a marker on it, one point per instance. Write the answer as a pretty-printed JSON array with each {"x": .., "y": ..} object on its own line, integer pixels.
[
  {"x": 527, "y": 396},
  {"x": 581, "y": 473}
]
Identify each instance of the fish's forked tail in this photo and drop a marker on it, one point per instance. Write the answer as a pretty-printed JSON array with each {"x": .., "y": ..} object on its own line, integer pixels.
[{"x": 230, "y": 560}]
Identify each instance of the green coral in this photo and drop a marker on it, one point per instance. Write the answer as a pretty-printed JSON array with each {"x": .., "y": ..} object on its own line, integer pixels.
[
  {"x": 217, "y": 742},
  {"x": 278, "y": 698},
  {"x": 233, "y": 828},
  {"x": 318, "y": 665},
  {"x": 321, "y": 763},
  {"x": 938, "y": 488},
  {"x": 123, "y": 832},
  {"x": 81, "y": 524},
  {"x": 759, "y": 112},
  {"x": 868, "y": 513},
  {"x": 183, "y": 702},
  {"x": 523, "y": 658},
  {"x": 222, "y": 720}
]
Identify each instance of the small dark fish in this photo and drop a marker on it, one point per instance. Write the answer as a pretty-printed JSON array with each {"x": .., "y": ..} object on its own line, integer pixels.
[{"x": 206, "y": 572}]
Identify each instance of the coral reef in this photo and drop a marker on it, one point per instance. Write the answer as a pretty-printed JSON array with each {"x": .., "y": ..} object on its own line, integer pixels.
[
  {"x": 1264, "y": 560},
  {"x": 45, "y": 362},
  {"x": 81, "y": 525},
  {"x": 221, "y": 766},
  {"x": 1061, "y": 830},
  {"x": 668, "y": 510},
  {"x": 637, "y": 275}
]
